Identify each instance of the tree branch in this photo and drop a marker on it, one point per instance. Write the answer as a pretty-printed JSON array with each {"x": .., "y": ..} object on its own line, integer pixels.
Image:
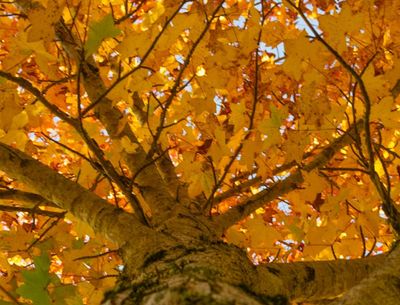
[
  {"x": 30, "y": 199},
  {"x": 33, "y": 211},
  {"x": 163, "y": 163},
  {"x": 77, "y": 124},
  {"x": 380, "y": 287},
  {"x": 319, "y": 280},
  {"x": 36, "y": 93},
  {"x": 111, "y": 172},
  {"x": 175, "y": 89},
  {"x": 286, "y": 185},
  {"x": 238, "y": 188},
  {"x": 125, "y": 76},
  {"x": 68, "y": 195},
  {"x": 210, "y": 203}
]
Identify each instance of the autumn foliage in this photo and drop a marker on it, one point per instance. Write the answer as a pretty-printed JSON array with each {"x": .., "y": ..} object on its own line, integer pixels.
[{"x": 276, "y": 120}]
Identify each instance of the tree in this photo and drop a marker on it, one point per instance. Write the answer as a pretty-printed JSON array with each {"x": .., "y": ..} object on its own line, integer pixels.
[{"x": 199, "y": 152}]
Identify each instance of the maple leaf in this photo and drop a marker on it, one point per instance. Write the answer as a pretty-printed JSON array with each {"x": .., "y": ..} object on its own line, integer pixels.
[
  {"x": 43, "y": 20},
  {"x": 342, "y": 24},
  {"x": 36, "y": 282},
  {"x": 98, "y": 31}
]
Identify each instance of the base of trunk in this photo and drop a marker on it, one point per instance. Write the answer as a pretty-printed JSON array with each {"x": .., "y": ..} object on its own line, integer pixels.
[
  {"x": 188, "y": 290},
  {"x": 219, "y": 274}
]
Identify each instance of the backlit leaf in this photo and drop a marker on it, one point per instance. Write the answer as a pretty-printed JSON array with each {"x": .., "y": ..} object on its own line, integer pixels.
[{"x": 98, "y": 31}]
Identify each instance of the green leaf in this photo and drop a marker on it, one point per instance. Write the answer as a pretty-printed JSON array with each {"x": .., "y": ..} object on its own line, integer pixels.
[
  {"x": 98, "y": 31},
  {"x": 36, "y": 282},
  {"x": 64, "y": 294},
  {"x": 78, "y": 243}
]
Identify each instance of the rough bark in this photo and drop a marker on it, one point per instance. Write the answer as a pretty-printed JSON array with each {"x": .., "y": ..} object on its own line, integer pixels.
[
  {"x": 382, "y": 287},
  {"x": 319, "y": 280},
  {"x": 210, "y": 273},
  {"x": 217, "y": 273}
]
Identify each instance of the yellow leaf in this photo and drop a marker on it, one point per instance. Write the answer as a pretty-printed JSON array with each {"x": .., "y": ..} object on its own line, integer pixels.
[
  {"x": 386, "y": 112},
  {"x": 238, "y": 115},
  {"x": 234, "y": 236},
  {"x": 261, "y": 234},
  {"x": 377, "y": 86},
  {"x": 44, "y": 19},
  {"x": 318, "y": 235},
  {"x": 8, "y": 110},
  {"x": 135, "y": 44},
  {"x": 298, "y": 60},
  {"x": 129, "y": 147},
  {"x": 201, "y": 183},
  {"x": 337, "y": 27},
  {"x": 20, "y": 120},
  {"x": 313, "y": 184},
  {"x": 15, "y": 137}
]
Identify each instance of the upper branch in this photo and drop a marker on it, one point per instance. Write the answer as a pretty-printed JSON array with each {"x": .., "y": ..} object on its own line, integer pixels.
[
  {"x": 32, "y": 211},
  {"x": 176, "y": 87},
  {"x": 37, "y": 94},
  {"x": 286, "y": 185},
  {"x": 257, "y": 76}
]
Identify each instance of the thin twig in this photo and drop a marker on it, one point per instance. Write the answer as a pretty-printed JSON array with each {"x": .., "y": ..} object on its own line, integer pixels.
[
  {"x": 36, "y": 93},
  {"x": 364, "y": 251},
  {"x": 96, "y": 255},
  {"x": 10, "y": 296},
  {"x": 175, "y": 88},
  {"x": 149, "y": 50},
  {"x": 216, "y": 186},
  {"x": 52, "y": 225},
  {"x": 35, "y": 210},
  {"x": 351, "y": 169}
]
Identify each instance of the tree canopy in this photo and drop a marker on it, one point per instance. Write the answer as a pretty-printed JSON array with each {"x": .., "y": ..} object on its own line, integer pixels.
[{"x": 274, "y": 123}]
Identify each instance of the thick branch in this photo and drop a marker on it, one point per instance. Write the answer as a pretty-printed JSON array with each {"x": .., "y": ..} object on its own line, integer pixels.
[
  {"x": 286, "y": 185},
  {"x": 381, "y": 287},
  {"x": 164, "y": 164},
  {"x": 85, "y": 205},
  {"x": 135, "y": 239},
  {"x": 313, "y": 281}
]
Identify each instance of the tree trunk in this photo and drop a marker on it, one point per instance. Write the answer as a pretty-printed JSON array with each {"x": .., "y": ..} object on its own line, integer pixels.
[
  {"x": 209, "y": 272},
  {"x": 215, "y": 273}
]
